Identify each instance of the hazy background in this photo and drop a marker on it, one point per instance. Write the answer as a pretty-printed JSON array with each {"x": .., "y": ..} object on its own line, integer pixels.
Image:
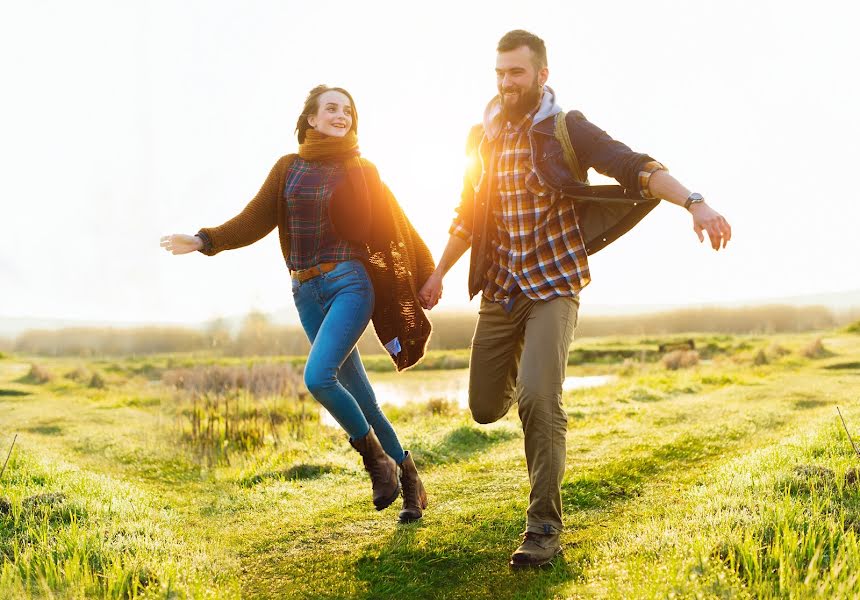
[{"x": 124, "y": 121}]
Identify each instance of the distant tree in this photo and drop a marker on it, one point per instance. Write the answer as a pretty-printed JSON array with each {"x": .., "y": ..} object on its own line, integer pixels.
[{"x": 218, "y": 334}]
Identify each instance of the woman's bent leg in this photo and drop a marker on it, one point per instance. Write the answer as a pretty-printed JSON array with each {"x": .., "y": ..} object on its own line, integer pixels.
[
  {"x": 331, "y": 328},
  {"x": 354, "y": 378}
]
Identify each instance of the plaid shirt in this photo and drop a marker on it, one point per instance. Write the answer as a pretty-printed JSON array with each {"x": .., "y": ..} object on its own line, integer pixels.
[
  {"x": 309, "y": 185},
  {"x": 539, "y": 248}
]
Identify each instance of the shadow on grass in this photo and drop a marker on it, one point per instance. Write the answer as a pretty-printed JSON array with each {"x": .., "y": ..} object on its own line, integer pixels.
[
  {"x": 473, "y": 564},
  {"x": 460, "y": 444},
  {"x": 13, "y": 393},
  {"x": 297, "y": 472},
  {"x": 623, "y": 479},
  {"x": 806, "y": 401},
  {"x": 46, "y": 429},
  {"x": 844, "y": 366}
]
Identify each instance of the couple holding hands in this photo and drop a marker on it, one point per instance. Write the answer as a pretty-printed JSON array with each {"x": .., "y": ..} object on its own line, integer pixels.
[{"x": 531, "y": 220}]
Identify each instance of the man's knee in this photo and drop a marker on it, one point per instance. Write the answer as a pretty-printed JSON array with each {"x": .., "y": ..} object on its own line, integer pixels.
[
  {"x": 483, "y": 416},
  {"x": 487, "y": 408}
]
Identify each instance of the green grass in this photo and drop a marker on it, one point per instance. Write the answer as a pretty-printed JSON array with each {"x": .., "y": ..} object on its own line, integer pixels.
[{"x": 730, "y": 479}]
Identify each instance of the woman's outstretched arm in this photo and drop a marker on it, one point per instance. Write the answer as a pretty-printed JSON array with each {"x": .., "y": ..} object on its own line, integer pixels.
[{"x": 255, "y": 221}]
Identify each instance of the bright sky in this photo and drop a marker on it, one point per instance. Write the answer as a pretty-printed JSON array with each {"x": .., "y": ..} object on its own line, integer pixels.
[{"x": 122, "y": 121}]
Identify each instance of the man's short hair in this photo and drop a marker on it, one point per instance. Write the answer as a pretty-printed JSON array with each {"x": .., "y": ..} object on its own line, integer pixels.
[{"x": 518, "y": 38}]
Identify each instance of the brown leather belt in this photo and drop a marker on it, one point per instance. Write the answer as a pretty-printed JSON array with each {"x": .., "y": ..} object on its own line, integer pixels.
[{"x": 315, "y": 271}]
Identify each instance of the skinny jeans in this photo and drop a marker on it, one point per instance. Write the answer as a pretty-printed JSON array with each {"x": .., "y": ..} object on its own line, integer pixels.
[{"x": 334, "y": 309}]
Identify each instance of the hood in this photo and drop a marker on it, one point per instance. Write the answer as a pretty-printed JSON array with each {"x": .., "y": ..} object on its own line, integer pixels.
[{"x": 493, "y": 112}]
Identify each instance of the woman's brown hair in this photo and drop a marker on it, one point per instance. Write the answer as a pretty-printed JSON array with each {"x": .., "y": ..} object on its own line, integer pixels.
[{"x": 312, "y": 105}]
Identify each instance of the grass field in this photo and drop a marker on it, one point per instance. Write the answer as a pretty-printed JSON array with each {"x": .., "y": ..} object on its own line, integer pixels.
[{"x": 732, "y": 478}]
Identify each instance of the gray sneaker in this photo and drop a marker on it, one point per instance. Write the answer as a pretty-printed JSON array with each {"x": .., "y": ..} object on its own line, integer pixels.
[{"x": 536, "y": 550}]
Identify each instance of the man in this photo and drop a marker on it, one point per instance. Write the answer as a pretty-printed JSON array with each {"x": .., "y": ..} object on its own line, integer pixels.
[{"x": 531, "y": 220}]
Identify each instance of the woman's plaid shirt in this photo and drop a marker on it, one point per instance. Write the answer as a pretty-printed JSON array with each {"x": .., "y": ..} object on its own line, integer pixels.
[
  {"x": 539, "y": 248},
  {"x": 312, "y": 240}
]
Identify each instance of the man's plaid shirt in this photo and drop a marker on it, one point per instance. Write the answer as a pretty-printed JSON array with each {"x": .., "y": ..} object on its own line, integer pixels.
[
  {"x": 539, "y": 248},
  {"x": 307, "y": 190}
]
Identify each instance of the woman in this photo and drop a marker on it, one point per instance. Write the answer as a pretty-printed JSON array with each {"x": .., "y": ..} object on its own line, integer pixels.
[{"x": 353, "y": 255}]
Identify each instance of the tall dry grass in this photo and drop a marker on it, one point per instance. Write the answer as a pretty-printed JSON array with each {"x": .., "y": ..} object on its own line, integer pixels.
[{"x": 222, "y": 409}]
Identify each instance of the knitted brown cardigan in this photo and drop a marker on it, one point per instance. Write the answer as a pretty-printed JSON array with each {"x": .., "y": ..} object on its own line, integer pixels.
[{"x": 399, "y": 261}]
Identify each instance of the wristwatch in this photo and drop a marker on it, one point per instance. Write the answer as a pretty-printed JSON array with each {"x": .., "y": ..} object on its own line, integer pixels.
[{"x": 694, "y": 198}]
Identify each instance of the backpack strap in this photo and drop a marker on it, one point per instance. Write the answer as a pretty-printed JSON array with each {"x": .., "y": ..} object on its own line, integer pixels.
[{"x": 563, "y": 136}]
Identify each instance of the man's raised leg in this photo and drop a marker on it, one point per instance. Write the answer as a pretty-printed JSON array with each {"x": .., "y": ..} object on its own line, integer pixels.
[{"x": 496, "y": 348}]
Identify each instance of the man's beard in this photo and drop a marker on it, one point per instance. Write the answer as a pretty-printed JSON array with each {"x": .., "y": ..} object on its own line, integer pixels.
[{"x": 526, "y": 101}]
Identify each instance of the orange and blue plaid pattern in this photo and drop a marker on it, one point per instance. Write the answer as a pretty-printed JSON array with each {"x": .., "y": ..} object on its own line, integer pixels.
[{"x": 539, "y": 248}]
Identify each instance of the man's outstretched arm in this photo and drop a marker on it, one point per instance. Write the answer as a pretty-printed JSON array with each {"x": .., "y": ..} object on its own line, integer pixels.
[
  {"x": 662, "y": 185},
  {"x": 431, "y": 291}
]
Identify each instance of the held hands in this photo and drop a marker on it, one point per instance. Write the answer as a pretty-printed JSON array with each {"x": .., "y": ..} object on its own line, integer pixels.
[
  {"x": 431, "y": 291},
  {"x": 707, "y": 219},
  {"x": 179, "y": 243}
]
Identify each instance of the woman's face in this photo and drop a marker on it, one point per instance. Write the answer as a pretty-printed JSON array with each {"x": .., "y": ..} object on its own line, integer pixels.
[{"x": 334, "y": 115}]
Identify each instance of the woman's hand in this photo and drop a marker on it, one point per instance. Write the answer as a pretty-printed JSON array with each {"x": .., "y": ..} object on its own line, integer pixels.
[
  {"x": 179, "y": 243},
  {"x": 431, "y": 291}
]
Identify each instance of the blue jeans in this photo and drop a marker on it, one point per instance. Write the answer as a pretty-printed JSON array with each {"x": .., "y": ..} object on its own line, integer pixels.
[{"x": 335, "y": 309}]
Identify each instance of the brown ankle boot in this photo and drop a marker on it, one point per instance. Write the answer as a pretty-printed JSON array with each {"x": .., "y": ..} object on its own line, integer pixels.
[
  {"x": 536, "y": 550},
  {"x": 414, "y": 496},
  {"x": 382, "y": 469}
]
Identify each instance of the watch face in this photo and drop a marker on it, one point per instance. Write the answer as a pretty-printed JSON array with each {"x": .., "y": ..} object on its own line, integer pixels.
[{"x": 696, "y": 197}]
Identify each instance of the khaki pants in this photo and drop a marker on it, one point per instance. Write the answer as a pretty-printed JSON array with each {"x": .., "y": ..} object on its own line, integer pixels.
[{"x": 540, "y": 332}]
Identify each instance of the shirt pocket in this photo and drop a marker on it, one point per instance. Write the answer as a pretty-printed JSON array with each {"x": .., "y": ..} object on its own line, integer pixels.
[{"x": 534, "y": 185}]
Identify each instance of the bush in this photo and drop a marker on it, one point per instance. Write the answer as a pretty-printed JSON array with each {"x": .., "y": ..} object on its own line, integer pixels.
[
  {"x": 442, "y": 406},
  {"x": 628, "y": 367},
  {"x": 78, "y": 374},
  {"x": 776, "y": 351},
  {"x": 261, "y": 380},
  {"x": 97, "y": 381},
  {"x": 815, "y": 349},
  {"x": 680, "y": 359},
  {"x": 760, "y": 358},
  {"x": 38, "y": 374}
]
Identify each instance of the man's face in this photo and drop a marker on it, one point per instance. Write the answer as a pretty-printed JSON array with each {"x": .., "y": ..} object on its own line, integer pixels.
[{"x": 518, "y": 81}]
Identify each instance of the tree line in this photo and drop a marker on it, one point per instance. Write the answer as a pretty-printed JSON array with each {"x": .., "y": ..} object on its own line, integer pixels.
[{"x": 258, "y": 335}]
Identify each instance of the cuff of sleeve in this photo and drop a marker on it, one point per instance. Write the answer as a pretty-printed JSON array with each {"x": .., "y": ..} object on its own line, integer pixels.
[
  {"x": 461, "y": 232},
  {"x": 207, "y": 243},
  {"x": 645, "y": 172}
]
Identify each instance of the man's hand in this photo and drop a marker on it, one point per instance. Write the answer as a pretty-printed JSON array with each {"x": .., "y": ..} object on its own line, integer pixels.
[
  {"x": 707, "y": 219},
  {"x": 431, "y": 291}
]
